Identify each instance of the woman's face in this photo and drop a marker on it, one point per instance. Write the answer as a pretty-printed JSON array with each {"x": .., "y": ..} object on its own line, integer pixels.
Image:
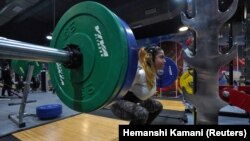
[{"x": 160, "y": 60}]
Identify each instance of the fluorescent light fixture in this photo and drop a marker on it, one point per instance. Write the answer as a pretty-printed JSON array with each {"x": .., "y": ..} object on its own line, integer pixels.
[
  {"x": 17, "y": 9},
  {"x": 49, "y": 37},
  {"x": 136, "y": 26},
  {"x": 183, "y": 28}
]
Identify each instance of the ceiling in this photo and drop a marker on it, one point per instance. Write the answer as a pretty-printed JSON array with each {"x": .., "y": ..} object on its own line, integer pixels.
[{"x": 147, "y": 18}]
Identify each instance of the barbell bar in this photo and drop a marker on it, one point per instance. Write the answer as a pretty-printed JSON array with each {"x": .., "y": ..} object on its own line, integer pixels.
[{"x": 12, "y": 49}]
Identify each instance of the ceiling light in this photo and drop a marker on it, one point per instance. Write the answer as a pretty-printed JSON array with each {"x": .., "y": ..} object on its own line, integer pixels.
[
  {"x": 183, "y": 28},
  {"x": 178, "y": 0},
  {"x": 49, "y": 37}
]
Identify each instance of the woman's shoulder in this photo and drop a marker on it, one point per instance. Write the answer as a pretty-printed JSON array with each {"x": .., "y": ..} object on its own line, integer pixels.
[
  {"x": 140, "y": 70},
  {"x": 140, "y": 73}
]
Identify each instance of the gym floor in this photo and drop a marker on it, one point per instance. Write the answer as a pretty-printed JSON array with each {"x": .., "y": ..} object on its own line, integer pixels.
[
  {"x": 69, "y": 120},
  {"x": 97, "y": 125}
]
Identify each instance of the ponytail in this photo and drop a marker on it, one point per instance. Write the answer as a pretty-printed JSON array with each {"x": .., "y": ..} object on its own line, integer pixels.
[{"x": 147, "y": 63}]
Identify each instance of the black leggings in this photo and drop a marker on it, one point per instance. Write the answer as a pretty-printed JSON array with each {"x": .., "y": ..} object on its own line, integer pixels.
[
  {"x": 139, "y": 112},
  {"x": 7, "y": 86}
]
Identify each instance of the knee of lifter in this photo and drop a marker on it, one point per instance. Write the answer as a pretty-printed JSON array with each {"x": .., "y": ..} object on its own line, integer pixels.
[{"x": 142, "y": 114}]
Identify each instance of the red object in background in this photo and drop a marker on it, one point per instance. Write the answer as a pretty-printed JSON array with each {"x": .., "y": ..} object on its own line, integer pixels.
[
  {"x": 241, "y": 61},
  {"x": 188, "y": 41},
  {"x": 239, "y": 97},
  {"x": 168, "y": 88}
]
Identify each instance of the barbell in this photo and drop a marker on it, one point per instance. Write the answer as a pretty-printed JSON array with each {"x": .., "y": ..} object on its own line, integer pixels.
[{"x": 92, "y": 59}]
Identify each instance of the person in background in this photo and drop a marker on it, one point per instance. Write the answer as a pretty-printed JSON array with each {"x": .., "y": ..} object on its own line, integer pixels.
[
  {"x": 20, "y": 84},
  {"x": 137, "y": 105},
  {"x": 7, "y": 79}
]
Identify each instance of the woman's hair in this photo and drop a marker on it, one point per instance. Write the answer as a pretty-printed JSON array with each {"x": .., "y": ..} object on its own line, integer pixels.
[{"x": 146, "y": 59}]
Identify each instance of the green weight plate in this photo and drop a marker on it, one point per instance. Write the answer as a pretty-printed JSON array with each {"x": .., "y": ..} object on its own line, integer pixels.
[
  {"x": 20, "y": 67},
  {"x": 102, "y": 40},
  {"x": 37, "y": 68}
]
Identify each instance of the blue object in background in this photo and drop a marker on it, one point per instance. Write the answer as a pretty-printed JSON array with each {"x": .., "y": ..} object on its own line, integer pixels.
[
  {"x": 169, "y": 74},
  {"x": 49, "y": 111}
]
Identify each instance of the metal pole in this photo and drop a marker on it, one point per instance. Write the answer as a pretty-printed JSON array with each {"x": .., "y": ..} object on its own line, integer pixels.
[
  {"x": 230, "y": 40},
  {"x": 25, "y": 94},
  {"x": 12, "y": 49}
]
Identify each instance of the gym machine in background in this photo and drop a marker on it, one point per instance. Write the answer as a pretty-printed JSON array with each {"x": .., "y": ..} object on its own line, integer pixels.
[{"x": 18, "y": 118}]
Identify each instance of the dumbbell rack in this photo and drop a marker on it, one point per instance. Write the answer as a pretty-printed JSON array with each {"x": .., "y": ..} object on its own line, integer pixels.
[{"x": 18, "y": 118}]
